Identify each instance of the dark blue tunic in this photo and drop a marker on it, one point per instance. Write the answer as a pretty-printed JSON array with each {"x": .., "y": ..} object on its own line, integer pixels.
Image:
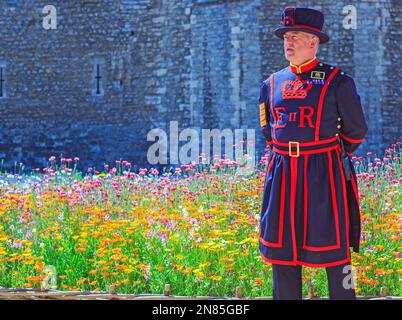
[{"x": 310, "y": 207}]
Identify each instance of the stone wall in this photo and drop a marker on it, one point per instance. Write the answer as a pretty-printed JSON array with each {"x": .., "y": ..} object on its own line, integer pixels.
[{"x": 196, "y": 62}]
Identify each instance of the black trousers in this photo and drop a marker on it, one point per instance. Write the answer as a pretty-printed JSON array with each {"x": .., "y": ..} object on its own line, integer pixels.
[{"x": 287, "y": 282}]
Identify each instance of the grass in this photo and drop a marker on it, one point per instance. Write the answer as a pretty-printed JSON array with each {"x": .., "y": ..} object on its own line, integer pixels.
[{"x": 195, "y": 227}]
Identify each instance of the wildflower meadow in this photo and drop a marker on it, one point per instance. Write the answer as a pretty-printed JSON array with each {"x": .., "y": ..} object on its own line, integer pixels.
[{"x": 194, "y": 227}]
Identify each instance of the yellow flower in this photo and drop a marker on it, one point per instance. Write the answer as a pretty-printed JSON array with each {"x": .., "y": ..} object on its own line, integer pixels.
[
  {"x": 187, "y": 270},
  {"x": 216, "y": 278},
  {"x": 206, "y": 264},
  {"x": 200, "y": 275},
  {"x": 128, "y": 270}
]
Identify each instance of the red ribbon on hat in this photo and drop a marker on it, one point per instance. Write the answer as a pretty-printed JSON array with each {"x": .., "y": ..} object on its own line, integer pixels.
[{"x": 306, "y": 27}]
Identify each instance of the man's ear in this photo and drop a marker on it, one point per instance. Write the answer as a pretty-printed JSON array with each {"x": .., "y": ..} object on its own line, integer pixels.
[{"x": 313, "y": 41}]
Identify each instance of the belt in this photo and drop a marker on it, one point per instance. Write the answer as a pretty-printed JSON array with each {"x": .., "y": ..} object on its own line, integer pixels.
[{"x": 295, "y": 148}]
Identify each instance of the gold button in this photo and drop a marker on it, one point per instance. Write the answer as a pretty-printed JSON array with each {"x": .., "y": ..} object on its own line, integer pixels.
[
  {"x": 339, "y": 119},
  {"x": 337, "y": 134},
  {"x": 338, "y": 126}
]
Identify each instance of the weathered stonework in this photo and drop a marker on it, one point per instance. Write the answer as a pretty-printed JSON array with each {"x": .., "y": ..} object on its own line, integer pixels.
[{"x": 197, "y": 62}]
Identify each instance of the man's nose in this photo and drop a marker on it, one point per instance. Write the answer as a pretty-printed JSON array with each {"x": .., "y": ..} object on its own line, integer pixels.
[{"x": 287, "y": 41}]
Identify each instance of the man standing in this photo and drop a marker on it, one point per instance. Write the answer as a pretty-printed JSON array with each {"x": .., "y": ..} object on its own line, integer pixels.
[{"x": 312, "y": 119}]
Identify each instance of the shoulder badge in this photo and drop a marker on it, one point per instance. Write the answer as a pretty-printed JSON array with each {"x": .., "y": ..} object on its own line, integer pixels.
[
  {"x": 263, "y": 121},
  {"x": 320, "y": 75}
]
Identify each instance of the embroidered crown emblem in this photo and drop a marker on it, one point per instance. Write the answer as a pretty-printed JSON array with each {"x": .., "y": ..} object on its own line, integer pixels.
[{"x": 295, "y": 89}]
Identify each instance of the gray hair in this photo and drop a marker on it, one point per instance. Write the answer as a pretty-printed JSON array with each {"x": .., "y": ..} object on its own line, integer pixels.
[{"x": 318, "y": 42}]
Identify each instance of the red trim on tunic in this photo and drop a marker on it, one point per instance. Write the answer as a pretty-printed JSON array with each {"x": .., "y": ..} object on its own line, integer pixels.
[
  {"x": 304, "y": 67},
  {"x": 293, "y": 181},
  {"x": 308, "y": 143},
  {"x": 295, "y": 261},
  {"x": 302, "y": 263},
  {"x": 345, "y": 201},
  {"x": 350, "y": 139},
  {"x": 269, "y": 166},
  {"x": 334, "y": 207},
  {"x": 321, "y": 102},
  {"x": 305, "y": 152},
  {"x": 305, "y": 199},
  {"x": 334, "y": 199},
  {"x": 271, "y": 102},
  {"x": 279, "y": 244},
  {"x": 282, "y": 214},
  {"x": 270, "y": 142}
]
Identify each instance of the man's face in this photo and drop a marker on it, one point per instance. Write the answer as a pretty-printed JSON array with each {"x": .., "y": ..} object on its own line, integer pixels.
[{"x": 298, "y": 46}]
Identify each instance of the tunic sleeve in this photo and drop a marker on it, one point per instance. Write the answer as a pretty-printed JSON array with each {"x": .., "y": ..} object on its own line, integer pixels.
[
  {"x": 264, "y": 113},
  {"x": 353, "y": 124}
]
